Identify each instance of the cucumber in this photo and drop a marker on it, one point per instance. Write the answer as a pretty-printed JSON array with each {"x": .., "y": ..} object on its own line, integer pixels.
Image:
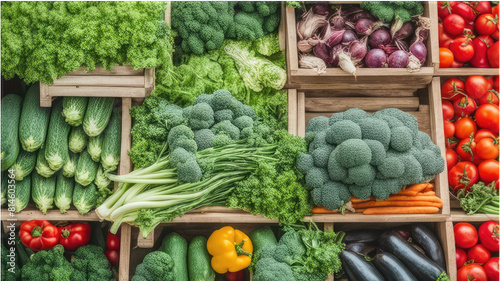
[
  {"x": 97, "y": 115},
  {"x": 69, "y": 168},
  {"x": 391, "y": 268},
  {"x": 86, "y": 169},
  {"x": 176, "y": 247},
  {"x": 426, "y": 239},
  {"x": 56, "y": 146},
  {"x": 84, "y": 197},
  {"x": 43, "y": 191},
  {"x": 42, "y": 167},
  {"x": 358, "y": 268},
  {"x": 11, "y": 113},
  {"x": 77, "y": 139},
  {"x": 262, "y": 237},
  {"x": 94, "y": 147},
  {"x": 111, "y": 145},
  {"x": 74, "y": 109},
  {"x": 22, "y": 193},
  {"x": 34, "y": 120},
  {"x": 64, "y": 192},
  {"x": 24, "y": 165},
  {"x": 198, "y": 261}
]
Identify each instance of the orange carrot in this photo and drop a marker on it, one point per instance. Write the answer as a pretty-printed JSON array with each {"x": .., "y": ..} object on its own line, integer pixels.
[
  {"x": 414, "y": 198},
  {"x": 323, "y": 210},
  {"x": 428, "y": 193},
  {"x": 386, "y": 203},
  {"x": 356, "y": 200},
  {"x": 418, "y": 187},
  {"x": 429, "y": 188},
  {"x": 401, "y": 210},
  {"x": 408, "y": 192},
  {"x": 359, "y": 210}
]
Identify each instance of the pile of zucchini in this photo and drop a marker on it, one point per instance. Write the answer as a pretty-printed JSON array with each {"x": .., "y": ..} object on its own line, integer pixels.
[{"x": 60, "y": 155}]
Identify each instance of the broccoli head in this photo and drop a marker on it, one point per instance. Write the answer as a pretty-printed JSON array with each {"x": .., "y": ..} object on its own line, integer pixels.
[
  {"x": 391, "y": 167},
  {"x": 294, "y": 244},
  {"x": 188, "y": 144},
  {"x": 339, "y": 116},
  {"x": 226, "y": 128},
  {"x": 90, "y": 263},
  {"x": 353, "y": 152},
  {"x": 321, "y": 155},
  {"x": 336, "y": 171},
  {"x": 375, "y": 129},
  {"x": 156, "y": 265},
  {"x": 332, "y": 195},
  {"x": 318, "y": 141},
  {"x": 268, "y": 269},
  {"x": 204, "y": 139},
  {"x": 355, "y": 114},
  {"x": 316, "y": 178},
  {"x": 401, "y": 139},
  {"x": 47, "y": 265},
  {"x": 178, "y": 132},
  {"x": 361, "y": 192},
  {"x": 222, "y": 140},
  {"x": 222, "y": 115},
  {"x": 243, "y": 122},
  {"x": 189, "y": 171},
  {"x": 317, "y": 124},
  {"x": 341, "y": 131},
  {"x": 378, "y": 151},
  {"x": 304, "y": 163},
  {"x": 201, "y": 116},
  {"x": 362, "y": 175}
]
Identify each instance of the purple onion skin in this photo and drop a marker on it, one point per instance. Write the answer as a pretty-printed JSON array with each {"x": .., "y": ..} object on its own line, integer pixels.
[
  {"x": 321, "y": 8},
  {"x": 379, "y": 37},
  {"x": 363, "y": 26},
  {"x": 358, "y": 49},
  {"x": 349, "y": 36},
  {"x": 335, "y": 38},
  {"x": 322, "y": 51},
  {"x": 419, "y": 51},
  {"x": 398, "y": 59},
  {"x": 405, "y": 31},
  {"x": 335, "y": 51},
  {"x": 376, "y": 58},
  {"x": 356, "y": 16}
]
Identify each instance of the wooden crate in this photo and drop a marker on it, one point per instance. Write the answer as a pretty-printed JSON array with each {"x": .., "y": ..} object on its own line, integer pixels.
[
  {"x": 424, "y": 104},
  {"x": 380, "y": 78}
]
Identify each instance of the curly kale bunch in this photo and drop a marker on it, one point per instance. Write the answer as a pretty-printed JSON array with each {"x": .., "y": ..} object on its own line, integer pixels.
[
  {"x": 42, "y": 41},
  {"x": 355, "y": 153}
]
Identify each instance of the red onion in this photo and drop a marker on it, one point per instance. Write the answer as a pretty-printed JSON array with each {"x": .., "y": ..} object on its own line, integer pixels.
[
  {"x": 358, "y": 50},
  {"x": 349, "y": 36},
  {"x": 419, "y": 50},
  {"x": 398, "y": 59},
  {"x": 309, "y": 23},
  {"x": 322, "y": 51},
  {"x": 337, "y": 20},
  {"x": 335, "y": 38},
  {"x": 321, "y": 8},
  {"x": 363, "y": 26},
  {"x": 355, "y": 14},
  {"x": 389, "y": 48},
  {"x": 380, "y": 37},
  {"x": 404, "y": 32},
  {"x": 335, "y": 51},
  {"x": 376, "y": 58}
]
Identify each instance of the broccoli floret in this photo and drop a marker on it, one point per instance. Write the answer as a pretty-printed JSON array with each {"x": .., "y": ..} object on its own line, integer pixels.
[
  {"x": 355, "y": 114},
  {"x": 222, "y": 99},
  {"x": 391, "y": 167},
  {"x": 248, "y": 26},
  {"x": 180, "y": 155},
  {"x": 296, "y": 248},
  {"x": 177, "y": 132},
  {"x": 381, "y": 189},
  {"x": 410, "y": 4},
  {"x": 222, "y": 140},
  {"x": 407, "y": 119},
  {"x": 221, "y": 115},
  {"x": 227, "y": 128},
  {"x": 362, "y": 175},
  {"x": 189, "y": 171},
  {"x": 343, "y": 130},
  {"x": 401, "y": 139},
  {"x": 432, "y": 163},
  {"x": 353, "y": 152},
  {"x": 243, "y": 122},
  {"x": 375, "y": 129},
  {"x": 204, "y": 139},
  {"x": 423, "y": 141},
  {"x": 244, "y": 110},
  {"x": 335, "y": 170},
  {"x": 247, "y": 133},
  {"x": 360, "y": 192},
  {"x": 188, "y": 144},
  {"x": 317, "y": 124},
  {"x": 383, "y": 12},
  {"x": 318, "y": 141},
  {"x": 90, "y": 263},
  {"x": 201, "y": 116},
  {"x": 321, "y": 156},
  {"x": 339, "y": 116},
  {"x": 316, "y": 178},
  {"x": 156, "y": 265},
  {"x": 333, "y": 195},
  {"x": 413, "y": 170},
  {"x": 418, "y": 9},
  {"x": 392, "y": 122},
  {"x": 304, "y": 163},
  {"x": 203, "y": 98},
  {"x": 268, "y": 269},
  {"x": 169, "y": 115},
  {"x": 378, "y": 151}
]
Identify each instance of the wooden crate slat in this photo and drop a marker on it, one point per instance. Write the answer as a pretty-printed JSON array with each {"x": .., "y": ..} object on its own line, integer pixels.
[
  {"x": 301, "y": 114},
  {"x": 376, "y": 86},
  {"x": 369, "y": 104},
  {"x": 292, "y": 111},
  {"x": 459, "y": 215},
  {"x": 372, "y": 93},
  {"x": 31, "y": 213},
  {"x": 75, "y": 91},
  {"x": 433, "y": 40},
  {"x": 102, "y": 81},
  {"x": 466, "y": 71},
  {"x": 117, "y": 70},
  {"x": 445, "y": 234},
  {"x": 367, "y": 72}
]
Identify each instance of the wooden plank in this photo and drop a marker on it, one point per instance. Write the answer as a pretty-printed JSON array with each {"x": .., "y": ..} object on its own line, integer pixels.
[
  {"x": 359, "y": 217},
  {"x": 148, "y": 242},
  {"x": 466, "y": 71},
  {"x": 327, "y": 227},
  {"x": 350, "y": 92},
  {"x": 101, "y": 80},
  {"x": 338, "y": 104},
  {"x": 124, "y": 263},
  {"x": 282, "y": 28},
  {"x": 301, "y": 114},
  {"x": 292, "y": 111},
  {"x": 381, "y": 73},
  {"x": 149, "y": 81},
  {"x": 458, "y": 215},
  {"x": 305, "y": 85},
  {"x": 117, "y": 70},
  {"x": 45, "y": 99},
  {"x": 446, "y": 236},
  {"x": 433, "y": 41},
  {"x": 87, "y": 91},
  {"x": 291, "y": 35},
  {"x": 32, "y": 213}
]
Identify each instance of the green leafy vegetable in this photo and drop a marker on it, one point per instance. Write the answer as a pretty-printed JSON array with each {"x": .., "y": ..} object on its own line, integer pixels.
[{"x": 480, "y": 199}]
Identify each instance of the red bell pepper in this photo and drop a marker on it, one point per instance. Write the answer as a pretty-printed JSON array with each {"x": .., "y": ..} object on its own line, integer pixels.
[
  {"x": 74, "y": 235},
  {"x": 39, "y": 235},
  {"x": 480, "y": 60}
]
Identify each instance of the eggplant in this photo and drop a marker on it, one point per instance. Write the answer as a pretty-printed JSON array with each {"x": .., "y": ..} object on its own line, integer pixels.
[
  {"x": 391, "y": 268},
  {"x": 362, "y": 236},
  {"x": 358, "y": 268},
  {"x": 421, "y": 266},
  {"x": 360, "y": 248},
  {"x": 426, "y": 239}
]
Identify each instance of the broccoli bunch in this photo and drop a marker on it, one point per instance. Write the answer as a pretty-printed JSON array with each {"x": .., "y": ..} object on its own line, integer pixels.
[
  {"x": 156, "y": 265},
  {"x": 90, "y": 263},
  {"x": 355, "y": 153},
  {"x": 386, "y": 11},
  {"x": 9, "y": 272},
  {"x": 48, "y": 265},
  {"x": 255, "y": 19}
]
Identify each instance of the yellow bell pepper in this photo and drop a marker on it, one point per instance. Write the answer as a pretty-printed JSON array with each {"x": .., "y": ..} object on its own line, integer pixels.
[{"x": 231, "y": 250}]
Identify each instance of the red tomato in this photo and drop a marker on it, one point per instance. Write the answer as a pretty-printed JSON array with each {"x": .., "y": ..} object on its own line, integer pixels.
[
  {"x": 462, "y": 49},
  {"x": 464, "y": 106},
  {"x": 445, "y": 58},
  {"x": 451, "y": 144},
  {"x": 463, "y": 175},
  {"x": 449, "y": 129},
  {"x": 113, "y": 256},
  {"x": 113, "y": 241},
  {"x": 453, "y": 88},
  {"x": 487, "y": 39},
  {"x": 492, "y": 269},
  {"x": 478, "y": 254},
  {"x": 495, "y": 83},
  {"x": 464, "y": 10},
  {"x": 472, "y": 272},
  {"x": 480, "y": 59},
  {"x": 486, "y": 24},
  {"x": 483, "y": 133},
  {"x": 481, "y": 7},
  {"x": 493, "y": 55},
  {"x": 487, "y": 148},
  {"x": 490, "y": 97},
  {"x": 444, "y": 38},
  {"x": 444, "y": 8},
  {"x": 454, "y": 24},
  {"x": 466, "y": 149},
  {"x": 464, "y": 127},
  {"x": 488, "y": 235},
  {"x": 488, "y": 171},
  {"x": 448, "y": 111},
  {"x": 476, "y": 86},
  {"x": 451, "y": 158},
  {"x": 495, "y": 11},
  {"x": 456, "y": 64},
  {"x": 495, "y": 35},
  {"x": 461, "y": 256},
  {"x": 465, "y": 235},
  {"x": 487, "y": 117}
]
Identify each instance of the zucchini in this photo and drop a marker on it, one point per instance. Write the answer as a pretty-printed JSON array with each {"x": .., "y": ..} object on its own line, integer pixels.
[
  {"x": 42, "y": 167},
  {"x": 70, "y": 167},
  {"x": 84, "y": 197},
  {"x": 64, "y": 192},
  {"x": 74, "y": 109},
  {"x": 34, "y": 120},
  {"x": 262, "y": 237},
  {"x": 11, "y": 113},
  {"x": 43, "y": 191},
  {"x": 77, "y": 139},
  {"x": 391, "y": 268},
  {"x": 56, "y": 146},
  {"x": 176, "y": 247},
  {"x": 426, "y": 239},
  {"x": 101, "y": 179},
  {"x": 419, "y": 265},
  {"x": 86, "y": 169},
  {"x": 24, "y": 165},
  {"x": 94, "y": 147},
  {"x": 111, "y": 145},
  {"x": 358, "y": 268},
  {"x": 97, "y": 115},
  {"x": 23, "y": 192},
  {"x": 198, "y": 260}
]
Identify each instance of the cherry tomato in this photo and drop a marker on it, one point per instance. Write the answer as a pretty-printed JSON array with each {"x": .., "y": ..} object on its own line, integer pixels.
[
  {"x": 464, "y": 10},
  {"x": 476, "y": 86},
  {"x": 486, "y": 24},
  {"x": 483, "y": 133},
  {"x": 490, "y": 97},
  {"x": 445, "y": 58},
  {"x": 488, "y": 235},
  {"x": 456, "y": 64},
  {"x": 113, "y": 256},
  {"x": 448, "y": 111},
  {"x": 488, "y": 171},
  {"x": 453, "y": 88},
  {"x": 495, "y": 83},
  {"x": 487, "y": 40},
  {"x": 466, "y": 149},
  {"x": 478, "y": 254},
  {"x": 465, "y": 235},
  {"x": 461, "y": 257},
  {"x": 444, "y": 8},
  {"x": 451, "y": 158},
  {"x": 462, "y": 49},
  {"x": 495, "y": 35},
  {"x": 487, "y": 117},
  {"x": 113, "y": 241},
  {"x": 492, "y": 269},
  {"x": 449, "y": 129},
  {"x": 445, "y": 39},
  {"x": 464, "y": 106},
  {"x": 481, "y": 7},
  {"x": 492, "y": 53},
  {"x": 463, "y": 175},
  {"x": 464, "y": 127},
  {"x": 472, "y": 272},
  {"x": 454, "y": 24},
  {"x": 487, "y": 148}
]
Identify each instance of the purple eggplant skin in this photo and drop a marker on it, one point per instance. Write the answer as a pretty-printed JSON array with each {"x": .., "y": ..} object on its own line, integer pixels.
[
  {"x": 426, "y": 239},
  {"x": 358, "y": 268},
  {"x": 391, "y": 268},
  {"x": 419, "y": 265},
  {"x": 361, "y": 236},
  {"x": 360, "y": 248}
]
